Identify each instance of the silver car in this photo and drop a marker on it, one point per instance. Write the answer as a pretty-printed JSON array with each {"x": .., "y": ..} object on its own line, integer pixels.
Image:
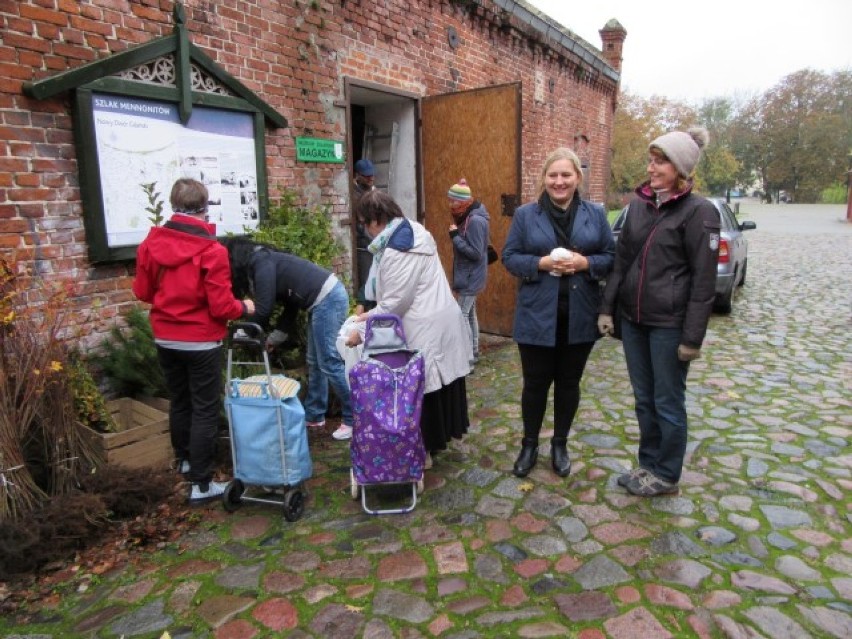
[{"x": 733, "y": 252}]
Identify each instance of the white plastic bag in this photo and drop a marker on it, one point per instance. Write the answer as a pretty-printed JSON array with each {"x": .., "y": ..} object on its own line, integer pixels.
[{"x": 350, "y": 354}]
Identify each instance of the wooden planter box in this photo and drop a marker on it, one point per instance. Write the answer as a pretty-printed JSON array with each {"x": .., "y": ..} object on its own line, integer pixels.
[{"x": 142, "y": 439}]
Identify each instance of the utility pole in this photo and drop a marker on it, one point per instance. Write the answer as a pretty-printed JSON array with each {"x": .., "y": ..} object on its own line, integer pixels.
[{"x": 849, "y": 187}]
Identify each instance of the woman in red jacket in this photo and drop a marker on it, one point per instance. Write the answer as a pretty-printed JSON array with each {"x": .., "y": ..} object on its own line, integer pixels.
[{"x": 183, "y": 272}]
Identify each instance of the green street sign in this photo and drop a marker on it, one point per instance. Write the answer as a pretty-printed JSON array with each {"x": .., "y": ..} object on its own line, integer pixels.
[{"x": 319, "y": 150}]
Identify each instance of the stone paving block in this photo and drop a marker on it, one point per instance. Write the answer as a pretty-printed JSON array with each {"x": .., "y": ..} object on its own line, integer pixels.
[
  {"x": 665, "y": 596},
  {"x": 450, "y": 558},
  {"x": 543, "y": 629},
  {"x": 398, "y": 605},
  {"x": 490, "y": 619},
  {"x": 277, "y": 614},
  {"x": 638, "y": 622},
  {"x": 100, "y": 618},
  {"x": 467, "y": 605},
  {"x": 236, "y": 629},
  {"x": 837, "y": 624},
  {"x": 338, "y": 621},
  {"x": 749, "y": 580},
  {"x": 585, "y": 606},
  {"x": 216, "y": 610},
  {"x": 240, "y": 577},
  {"x": 686, "y": 572},
  {"x": 401, "y": 566},
  {"x": 600, "y": 572},
  {"x": 776, "y": 624}
]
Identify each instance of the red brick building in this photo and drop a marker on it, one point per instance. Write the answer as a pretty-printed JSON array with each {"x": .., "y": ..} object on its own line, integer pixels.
[{"x": 431, "y": 91}]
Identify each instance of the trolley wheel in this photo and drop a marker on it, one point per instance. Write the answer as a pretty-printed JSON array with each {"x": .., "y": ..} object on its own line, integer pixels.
[
  {"x": 420, "y": 486},
  {"x": 294, "y": 505},
  {"x": 233, "y": 495},
  {"x": 354, "y": 489}
]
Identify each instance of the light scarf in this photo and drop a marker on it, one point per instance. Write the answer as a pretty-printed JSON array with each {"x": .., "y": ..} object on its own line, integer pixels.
[{"x": 377, "y": 249}]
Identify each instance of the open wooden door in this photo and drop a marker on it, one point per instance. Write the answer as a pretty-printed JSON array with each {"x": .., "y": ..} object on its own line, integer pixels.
[{"x": 475, "y": 135}]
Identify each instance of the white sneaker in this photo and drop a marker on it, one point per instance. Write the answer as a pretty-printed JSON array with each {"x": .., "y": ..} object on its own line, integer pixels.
[
  {"x": 183, "y": 466},
  {"x": 343, "y": 433},
  {"x": 197, "y": 495},
  {"x": 320, "y": 424}
]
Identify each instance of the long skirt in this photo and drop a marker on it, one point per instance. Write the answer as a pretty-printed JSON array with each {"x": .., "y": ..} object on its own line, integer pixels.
[{"x": 444, "y": 415}]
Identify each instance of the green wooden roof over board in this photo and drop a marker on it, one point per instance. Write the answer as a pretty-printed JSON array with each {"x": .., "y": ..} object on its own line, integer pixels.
[{"x": 185, "y": 53}]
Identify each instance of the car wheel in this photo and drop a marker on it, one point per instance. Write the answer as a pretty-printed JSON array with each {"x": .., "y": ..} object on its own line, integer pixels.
[
  {"x": 745, "y": 270},
  {"x": 722, "y": 303}
]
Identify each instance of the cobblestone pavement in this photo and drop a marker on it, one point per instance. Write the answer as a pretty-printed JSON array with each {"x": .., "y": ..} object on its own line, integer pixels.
[{"x": 756, "y": 544}]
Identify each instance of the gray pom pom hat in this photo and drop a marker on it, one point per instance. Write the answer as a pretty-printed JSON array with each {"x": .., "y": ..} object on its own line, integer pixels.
[{"x": 682, "y": 149}]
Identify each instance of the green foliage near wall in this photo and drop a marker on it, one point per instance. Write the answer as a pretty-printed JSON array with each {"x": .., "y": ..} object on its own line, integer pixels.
[
  {"x": 128, "y": 359},
  {"x": 89, "y": 403},
  {"x": 303, "y": 231}
]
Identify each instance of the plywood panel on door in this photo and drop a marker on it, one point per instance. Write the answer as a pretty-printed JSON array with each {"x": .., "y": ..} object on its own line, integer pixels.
[{"x": 475, "y": 135}]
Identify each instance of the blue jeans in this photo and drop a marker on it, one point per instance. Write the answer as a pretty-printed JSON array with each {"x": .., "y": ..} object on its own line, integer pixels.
[
  {"x": 658, "y": 378},
  {"x": 325, "y": 365},
  {"x": 467, "y": 303}
]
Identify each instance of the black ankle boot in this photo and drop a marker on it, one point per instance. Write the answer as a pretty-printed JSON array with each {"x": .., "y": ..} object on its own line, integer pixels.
[
  {"x": 527, "y": 458},
  {"x": 559, "y": 456}
]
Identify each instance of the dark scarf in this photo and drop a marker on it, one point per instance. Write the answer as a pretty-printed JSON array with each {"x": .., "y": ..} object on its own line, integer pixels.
[
  {"x": 563, "y": 223},
  {"x": 562, "y": 219}
]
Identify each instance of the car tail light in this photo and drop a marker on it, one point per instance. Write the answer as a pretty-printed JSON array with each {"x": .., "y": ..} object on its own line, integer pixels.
[{"x": 724, "y": 255}]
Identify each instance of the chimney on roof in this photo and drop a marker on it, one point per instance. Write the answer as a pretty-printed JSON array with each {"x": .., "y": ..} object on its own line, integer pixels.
[{"x": 612, "y": 37}]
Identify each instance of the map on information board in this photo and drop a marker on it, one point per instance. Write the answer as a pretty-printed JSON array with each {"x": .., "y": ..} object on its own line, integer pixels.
[{"x": 142, "y": 142}]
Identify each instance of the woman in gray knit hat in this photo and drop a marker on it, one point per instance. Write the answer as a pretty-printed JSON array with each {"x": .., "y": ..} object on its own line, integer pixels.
[{"x": 663, "y": 284}]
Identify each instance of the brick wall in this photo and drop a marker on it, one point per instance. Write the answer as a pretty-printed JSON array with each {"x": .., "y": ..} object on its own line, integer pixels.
[{"x": 293, "y": 54}]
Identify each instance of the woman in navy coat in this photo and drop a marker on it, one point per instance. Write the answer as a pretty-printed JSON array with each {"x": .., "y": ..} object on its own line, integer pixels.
[{"x": 558, "y": 295}]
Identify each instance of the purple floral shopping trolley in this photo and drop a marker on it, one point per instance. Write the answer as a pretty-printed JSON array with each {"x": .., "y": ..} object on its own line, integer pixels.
[{"x": 387, "y": 398}]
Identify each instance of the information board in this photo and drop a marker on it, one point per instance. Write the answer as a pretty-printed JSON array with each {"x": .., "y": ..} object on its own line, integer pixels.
[{"x": 141, "y": 142}]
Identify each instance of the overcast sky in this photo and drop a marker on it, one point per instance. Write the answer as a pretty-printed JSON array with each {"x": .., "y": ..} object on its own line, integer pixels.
[{"x": 731, "y": 48}]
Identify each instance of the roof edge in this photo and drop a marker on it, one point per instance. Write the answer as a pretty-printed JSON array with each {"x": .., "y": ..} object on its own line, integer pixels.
[{"x": 553, "y": 30}]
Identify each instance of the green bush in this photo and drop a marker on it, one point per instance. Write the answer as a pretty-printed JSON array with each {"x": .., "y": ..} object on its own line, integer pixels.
[
  {"x": 835, "y": 194},
  {"x": 89, "y": 403},
  {"x": 305, "y": 232},
  {"x": 128, "y": 359}
]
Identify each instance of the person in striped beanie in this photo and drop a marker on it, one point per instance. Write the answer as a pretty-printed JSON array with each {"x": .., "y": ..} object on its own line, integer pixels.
[{"x": 469, "y": 235}]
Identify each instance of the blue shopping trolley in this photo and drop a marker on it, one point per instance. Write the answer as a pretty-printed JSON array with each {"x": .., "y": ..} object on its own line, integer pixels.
[{"x": 266, "y": 421}]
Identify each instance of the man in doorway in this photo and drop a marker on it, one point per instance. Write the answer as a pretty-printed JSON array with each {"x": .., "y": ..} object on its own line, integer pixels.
[
  {"x": 365, "y": 174},
  {"x": 469, "y": 235}
]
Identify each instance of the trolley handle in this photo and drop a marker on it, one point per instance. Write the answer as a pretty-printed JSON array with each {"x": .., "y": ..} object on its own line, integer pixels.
[
  {"x": 383, "y": 333},
  {"x": 247, "y": 334}
]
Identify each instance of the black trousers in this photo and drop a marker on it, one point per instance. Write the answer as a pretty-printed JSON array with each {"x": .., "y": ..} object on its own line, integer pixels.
[
  {"x": 561, "y": 366},
  {"x": 194, "y": 379}
]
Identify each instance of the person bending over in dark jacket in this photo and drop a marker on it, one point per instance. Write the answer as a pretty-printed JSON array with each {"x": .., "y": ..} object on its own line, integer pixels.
[
  {"x": 271, "y": 276},
  {"x": 559, "y": 247},
  {"x": 664, "y": 279},
  {"x": 183, "y": 272}
]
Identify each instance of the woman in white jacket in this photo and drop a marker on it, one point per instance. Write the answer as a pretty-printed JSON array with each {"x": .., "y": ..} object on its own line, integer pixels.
[{"x": 407, "y": 279}]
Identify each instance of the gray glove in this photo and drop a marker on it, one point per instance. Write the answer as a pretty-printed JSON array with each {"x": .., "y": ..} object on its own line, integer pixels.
[
  {"x": 606, "y": 325},
  {"x": 688, "y": 353},
  {"x": 275, "y": 338}
]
